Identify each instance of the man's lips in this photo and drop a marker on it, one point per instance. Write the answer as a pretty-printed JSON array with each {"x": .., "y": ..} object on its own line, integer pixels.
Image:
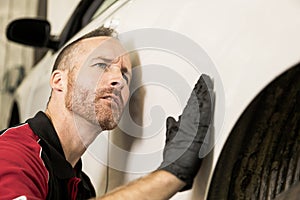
[{"x": 114, "y": 98}]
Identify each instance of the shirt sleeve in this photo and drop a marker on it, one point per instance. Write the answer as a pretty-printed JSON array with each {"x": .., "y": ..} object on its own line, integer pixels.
[{"x": 23, "y": 174}]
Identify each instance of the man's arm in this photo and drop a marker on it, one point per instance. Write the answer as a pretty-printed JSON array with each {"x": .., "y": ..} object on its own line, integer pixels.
[{"x": 157, "y": 185}]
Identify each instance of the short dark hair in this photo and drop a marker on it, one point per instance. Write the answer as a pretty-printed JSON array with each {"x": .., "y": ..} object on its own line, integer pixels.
[{"x": 66, "y": 51}]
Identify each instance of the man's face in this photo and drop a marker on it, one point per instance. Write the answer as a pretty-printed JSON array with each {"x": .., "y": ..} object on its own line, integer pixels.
[{"x": 98, "y": 86}]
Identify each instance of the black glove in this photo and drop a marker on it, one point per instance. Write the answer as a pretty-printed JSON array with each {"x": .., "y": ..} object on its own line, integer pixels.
[{"x": 185, "y": 137}]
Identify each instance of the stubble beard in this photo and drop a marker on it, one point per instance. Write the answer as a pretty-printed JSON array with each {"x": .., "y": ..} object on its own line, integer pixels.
[{"x": 87, "y": 104}]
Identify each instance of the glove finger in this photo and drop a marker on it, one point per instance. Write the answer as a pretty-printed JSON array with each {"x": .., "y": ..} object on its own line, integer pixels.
[
  {"x": 172, "y": 128},
  {"x": 203, "y": 101},
  {"x": 206, "y": 100}
]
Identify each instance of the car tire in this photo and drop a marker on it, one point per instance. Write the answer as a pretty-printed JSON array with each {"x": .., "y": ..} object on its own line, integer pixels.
[{"x": 261, "y": 157}]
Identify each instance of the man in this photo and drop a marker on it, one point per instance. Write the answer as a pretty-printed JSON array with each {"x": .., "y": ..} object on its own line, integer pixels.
[{"x": 40, "y": 159}]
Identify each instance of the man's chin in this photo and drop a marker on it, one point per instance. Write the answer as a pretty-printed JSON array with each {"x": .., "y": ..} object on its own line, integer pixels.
[
  {"x": 108, "y": 124},
  {"x": 107, "y": 127}
]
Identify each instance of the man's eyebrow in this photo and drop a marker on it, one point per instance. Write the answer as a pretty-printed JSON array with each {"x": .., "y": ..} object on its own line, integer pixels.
[{"x": 105, "y": 59}]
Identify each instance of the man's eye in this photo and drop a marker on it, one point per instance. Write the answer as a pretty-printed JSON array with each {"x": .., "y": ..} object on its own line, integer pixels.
[{"x": 101, "y": 65}]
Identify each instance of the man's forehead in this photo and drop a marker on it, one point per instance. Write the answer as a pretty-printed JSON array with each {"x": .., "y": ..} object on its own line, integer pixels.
[
  {"x": 105, "y": 47},
  {"x": 106, "y": 43}
]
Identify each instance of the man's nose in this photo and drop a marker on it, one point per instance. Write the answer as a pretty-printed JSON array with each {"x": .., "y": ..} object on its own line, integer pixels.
[{"x": 116, "y": 77}]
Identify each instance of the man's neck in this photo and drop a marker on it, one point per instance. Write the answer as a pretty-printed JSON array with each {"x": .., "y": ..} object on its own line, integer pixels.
[{"x": 75, "y": 133}]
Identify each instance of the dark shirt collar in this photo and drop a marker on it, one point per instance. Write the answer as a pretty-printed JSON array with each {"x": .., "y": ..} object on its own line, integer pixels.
[{"x": 43, "y": 127}]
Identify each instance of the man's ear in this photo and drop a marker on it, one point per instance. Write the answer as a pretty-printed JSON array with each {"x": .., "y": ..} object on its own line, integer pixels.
[{"x": 56, "y": 80}]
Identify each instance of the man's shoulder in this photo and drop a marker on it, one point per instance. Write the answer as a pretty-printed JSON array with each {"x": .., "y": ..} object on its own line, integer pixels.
[
  {"x": 19, "y": 143},
  {"x": 21, "y": 162},
  {"x": 20, "y": 150},
  {"x": 21, "y": 134}
]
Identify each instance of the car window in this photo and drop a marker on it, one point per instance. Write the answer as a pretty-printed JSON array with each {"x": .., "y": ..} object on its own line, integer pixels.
[
  {"x": 106, "y": 4},
  {"x": 86, "y": 11},
  {"x": 39, "y": 53}
]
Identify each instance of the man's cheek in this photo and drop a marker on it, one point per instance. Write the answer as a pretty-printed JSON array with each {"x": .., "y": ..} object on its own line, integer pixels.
[{"x": 126, "y": 96}]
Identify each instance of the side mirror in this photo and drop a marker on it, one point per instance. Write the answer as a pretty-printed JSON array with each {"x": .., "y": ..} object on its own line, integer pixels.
[{"x": 32, "y": 32}]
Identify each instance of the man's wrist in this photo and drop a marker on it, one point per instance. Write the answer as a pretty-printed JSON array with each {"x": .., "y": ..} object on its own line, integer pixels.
[
  {"x": 177, "y": 172},
  {"x": 170, "y": 178}
]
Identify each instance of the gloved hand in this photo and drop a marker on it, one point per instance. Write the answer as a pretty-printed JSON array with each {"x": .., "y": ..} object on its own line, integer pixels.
[{"x": 185, "y": 137}]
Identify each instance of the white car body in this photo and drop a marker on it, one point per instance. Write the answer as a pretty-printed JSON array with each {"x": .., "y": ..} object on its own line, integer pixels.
[{"x": 249, "y": 42}]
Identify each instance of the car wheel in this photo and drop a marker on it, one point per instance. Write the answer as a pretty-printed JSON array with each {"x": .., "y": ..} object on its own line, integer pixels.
[{"x": 261, "y": 157}]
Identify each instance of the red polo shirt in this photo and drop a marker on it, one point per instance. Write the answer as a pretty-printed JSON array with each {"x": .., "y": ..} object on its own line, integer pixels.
[{"x": 33, "y": 165}]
